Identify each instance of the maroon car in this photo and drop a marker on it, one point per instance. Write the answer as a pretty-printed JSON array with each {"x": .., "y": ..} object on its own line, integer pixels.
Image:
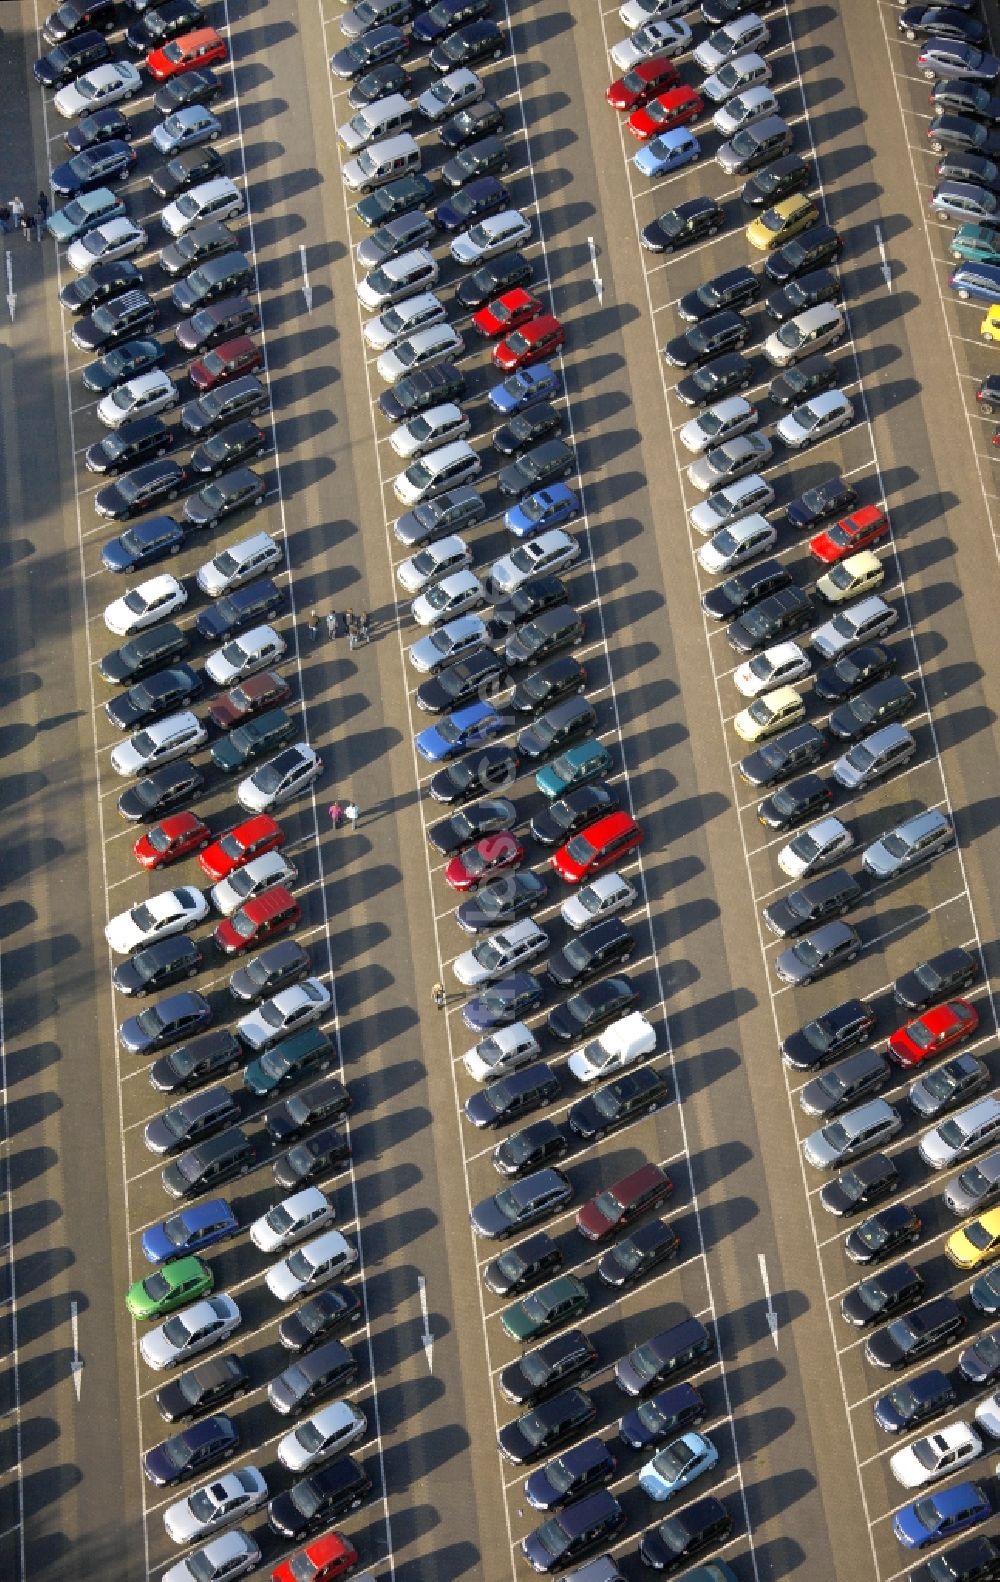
[
  {"x": 264, "y": 691},
  {"x": 238, "y": 356},
  {"x": 623, "y": 1202}
]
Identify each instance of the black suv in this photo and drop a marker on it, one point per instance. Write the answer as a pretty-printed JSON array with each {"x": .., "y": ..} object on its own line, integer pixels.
[
  {"x": 550, "y": 462},
  {"x": 926, "y": 1329},
  {"x": 492, "y": 279},
  {"x": 952, "y": 972},
  {"x": 480, "y": 674},
  {"x": 605, "y": 944},
  {"x": 202, "y": 1059},
  {"x": 689, "y": 222},
  {"x": 547, "y": 1426},
  {"x": 781, "y": 615},
  {"x": 165, "y": 788},
  {"x": 880, "y": 1296},
  {"x": 114, "y": 321},
  {"x": 238, "y": 442},
  {"x": 526, "y": 428},
  {"x": 735, "y": 289},
  {"x": 792, "y": 804},
  {"x": 475, "y": 121},
  {"x": 325, "y": 1100},
  {"x": 820, "y": 244},
  {"x": 233, "y": 491},
  {"x": 557, "y": 729},
  {"x": 852, "y": 672},
  {"x": 617, "y": 1104},
  {"x": 865, "y": 1183},
  {"x": 158, "y": 694},
  {"x": 252, "y": 740},
  {"x": 103, "y": 280},
  {"x": 141, "y": 439},
  {"x": 808, "y": 378},
  {"x": 805, "y": 291},
  {"x": 530, "y": 599},
  {"x": 468, "y": 45},
  {"x": 521, "y": 1267},
  {"x": 565, "y": 1359},
  {"x": 721, "y": 332},
  {"x": 196, "y": 246},
  {"x": 326, "y": 1494},
  {"x": 76, "y": 16},
  {"x": 193, "y": 166},
  {"x": 827, "y": 896},
  {"x": 417, "y": 391},
  {"x": 889, "y": 699},
  {"x": 833, "y": 1033}
]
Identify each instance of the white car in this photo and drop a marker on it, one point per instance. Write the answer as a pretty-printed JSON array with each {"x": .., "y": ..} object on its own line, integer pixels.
[
  {"x": 159, "y": 742},
  {"x": 653, "y": 38},
  {"x": 814, "y": 848},
  {"x": 298, "y": 1006},
  {"x": 311, "y": 1266},
  {"x": 291, "y": 1219},
  {"x": 170, "y": 912},
  {"x": 144, "y": 605},
  {"x": 144, "y": 396},
  {"x": 114, "y": 239},
  {"x": 549, "y": 552},
  {"x": 816, "y": 419},
  {"x": 329, "y": 1431},
  {"x": 227, "y": 1499},
  {"x": 936, "y": 1455},
  {"x": 438, "y": 560},
  {"x": 451, "y": 93},
  {"x": 402, "y": 319},
  {"x": 271, "y": 867},
  {"x": 244, "y": 655},
  {"x": 502, "y": 1051},
  {"x": 617, "y": 1047},
  {"x": 988, "y": 1415},
  {"x": 742, "y": 34},
  {"x": 228, "y": 1556},
  {"x": 717, "y": 423},
  {"x": 774, "y": 667},
  {"x": 190, "y": 1331},
  {"x": 507, "y": 950},
  {"x": 488, "y": 238},
  {"x": 460, "y": 594},
  {"x": 605, "y": 896},
  {"x": 637, "y": 12},
  {"x": 743, "y": 109},
  {"x": 238, "y": 564},
  {"x": 107, "y": 84},
  {"x": 281, "y": 779},
  {"x": 438, "y": 425},
  {"x": 851, "y": 578},
  {"x": 737, "y": 544}
]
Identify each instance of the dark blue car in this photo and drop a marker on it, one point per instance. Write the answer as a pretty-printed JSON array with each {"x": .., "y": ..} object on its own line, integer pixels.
[
  {"x": 465, "y": 728},
  {"x": 143, "y": 544},
  {"x": 941, "y": 1514},
  {"x": 577, "y": 1471},
  {"x": 192, "y": 1230},
  {"x": 446, "y": 15},
  {"x": 539, "y": 383},
  {"x": 508, "y": 1001},
  {"x": 473, "y": 202},
  {"x": 93, "y": 167},
  {"x": 258, "y": 601},
  {"x": 192, "y": 1451}
]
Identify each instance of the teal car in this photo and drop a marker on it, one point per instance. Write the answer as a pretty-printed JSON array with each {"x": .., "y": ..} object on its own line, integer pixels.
[
  {"x": 576, "y": 767},
  {"x": 177, "y": 1283},
  {"x": 557, "y": 1303},
  {"x": 306, "y": 1051},
  {"x": 976, "y": 244}
]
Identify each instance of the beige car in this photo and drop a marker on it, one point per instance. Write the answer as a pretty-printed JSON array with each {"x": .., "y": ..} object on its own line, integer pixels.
[
  {"x": 851, "y": 578},
  {"x": 767, "y": 715}
]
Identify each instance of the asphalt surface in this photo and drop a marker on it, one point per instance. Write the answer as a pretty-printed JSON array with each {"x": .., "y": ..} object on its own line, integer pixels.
[{"x": 791, "y": 1413}]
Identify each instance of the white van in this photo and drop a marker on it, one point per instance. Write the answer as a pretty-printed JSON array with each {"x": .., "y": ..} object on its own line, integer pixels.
[
  {"x": 384, "y": 118},
  {"x": 382, "y": 162},
  {"x": 443, "y": 468}
]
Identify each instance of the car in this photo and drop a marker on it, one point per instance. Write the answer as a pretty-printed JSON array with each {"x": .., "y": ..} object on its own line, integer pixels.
[
  {"x": 332, "y": 1429},
  {"x": 212, "y": 1383},
  {"x": 587, "y": 761},
  {"x": 976, "y": 1188},
  {"x": 547, "y": 1425},
  {"x": 224, "y": 362},
  {"x": 859, "y": 1131},
  {"x": 179, "y": 1281},
  {"x": 545, "y": 684},
  {"x": 291, "y": 1219},
  {"x": 935, "y": 1030},
  {"x": 379, "y": 45},
  {"x": 645, "y": 79},
  {"x": 157, "y": 694},
  {"x": 104, "y": 85},
  {"x": 454, "y": 733},
  {"x": 493, "y": 278},
  {"x": 549, "y": 462},
  {"x": 626, "y": 1200},
  {"x": 280, "y": 780},
  {"x": 653, "y": 40},
  {"x": 632, "y": 1258},
  {"x": 864, "y": 1184},
  {"x": 717, "y": 424},
  {"x": 653, "y": 1421},
  {"x": 816, "y": 954},
  {"x": 550, "y": 551},
  {"x": 526, "y": 428},
  {"x": 778, "y": 760},
  {"x": 854, "y": 672},
  {"x": 946, "y": 22},
  {"x": 860, "y": 531},
  {"x": 820, "y": 244},
  {"x": 194, "y": 1229},
  {"x": 311, "y": 1265},
  {"x": 492, "y": 768},
  {"x": 566, "y": 815},
  {"x": 514, "y": 895},
  {"x": 135, "y": 441},
  {"x": 561, "y": 1300},
  {"x": 936, "y": 1455},
  {"x": 323, "y": 1495},
  {"x": 171, "y": 912},
  {"x": 916, "y": 840},
  {"x": 883, "y": 1234},
  {"x": 146, "y": 604},
  {"x": 739, "y": 593},
  {"x": 250, "y": 698},
  {"x": 525, "y": 1202},
  {"x": 781, "y": 222},
  {"x": 191, "y": 87},
  {"x": 605, "y": 944},
  {"x": 812, "y": 377},
  {"x": 689, "y": 222},
  {"x": 598, "y": 846},
  {"x": 532, "y": 342},
  {"x": 463, "y": 830},
  {"x": 166, "y": 1022},
  {"x": 542, "y": 510},
  {"x": 322, "y": 1316},
  {"x": 823, "y": 843},
  {"x": 531, "y": 1147},
  {"x": 975, "y": 1243},
  {"x": 804, "y": 292},
  {"x": 103, "y": 280},
  {"x": 482, "y": 673},
  {"x": 194, "y": 1329},
  {"x": 85, "y": 213},
  {"x": 617, "y": 1104},
  {"x": 170, "y": 839},
  {"x": 507, "y": 1049},
  {"x": 833, "y": 1033},
  {"x": 187, "y": 127},
  {"x": 108, "y": 242},
  {"x": 964, "y": 200},
  {"x": 331, "y": 1556},
  {"x": 161, "y": 964},
  {"x": 167, "y": 787},
  {"x": 188, "y": 52},
  {"x": 792, "y": 804},
  {"x": 570, "y": 1475},
  {"x": 297, "y": 1006},
  {"x": 252, "y": 740},
  {"x": 99, "y": 126},
  {"x": 484, "y": 196},
  {"x": 395, "y": 199},
  {"x": 191, "y": 1451},
  {"x": 704, "y": 341},
  {"x": 976, "y": 244},
  {"x": 962, "y": 134},
  {"x": 487, "y": 156},
  {"x": 925, "y": 1329},
  {"x": 574, "y": 1532},
  {"x": 666, "y": 112},
  {"x": 941, "y": 1515},
  {"x": 782, "y": 178},
  {"x": 947, "y": 973},
  {"x": 668, "y": 151},
  {"x": 779, "y": 665},
  {"x": 94, "y": 167},
  {"x": 859, "y": 1076},
  {"x": 227, "y": 1499},
  {"x": 476, "y": 41},
  {"x": 521, "y": 1267},
  {"x": 733, "y": 458},
  {"x": 948, "y": 1085},
  {"x": 677, "y": 1465},
  {"x": 314, "y": 1158},
  {"x": 504, "y": 1002},
  {"x": 162, "y": 740},
  {"x": 327, "y": 1099},
  {"x": 972, "y": 1559}
]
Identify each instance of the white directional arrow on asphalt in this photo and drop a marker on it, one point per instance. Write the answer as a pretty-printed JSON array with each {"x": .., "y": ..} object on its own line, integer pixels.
[
  {"x": 426, "y": 1337},
  {"x": 598, "y": 282},
  {"x": 886, "y": 266},
  {"x": 307, "y": 290},
  {"x": 76, "y": 1361},
  {"x": 772, "y": 1317},
  {"x": 11, "y": 296}
]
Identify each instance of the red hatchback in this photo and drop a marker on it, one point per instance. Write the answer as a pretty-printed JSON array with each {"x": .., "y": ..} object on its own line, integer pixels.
[
  {"x": 931, "y": 1034},
  {"x": 241, "y": 845},
  {"x": 261, "y": 918},
  {"x": 532, "y": 343},
  {"x": 675, "y": 108},
  {"x": 618, "y": 1205},
  {"x": 171, "y": 839},
  {"x": 201, "y": 48},
  {"x": 239, "y": 356},
  {"x": 263, "y": 691},
  {"x": 492, "y": 855},
  {"x": 507, "y": 313},
  {"x": 648, "y": 78},
  {"x": 859, "y": 531},
  {"x": 597, "y": 847},
  {"x": 331, "y": 1556}
]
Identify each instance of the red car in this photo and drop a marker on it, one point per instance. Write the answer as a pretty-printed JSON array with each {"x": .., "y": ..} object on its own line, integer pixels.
[
  {"x": 617, "y": 1205},
  {"x": 238, "y": 356},
  {"x": 532, "y": 343},
  {"x": 489, "y": 856},
  {"x": 263, "y": 691},
  {"x": 866, "y": 527},
  {"x": 170, "y": 839},
  {"x": 331, "y": 1556},
  {"x": 241, "y": 845},
  {"x": 202, "y": 48},
  {"x": 675, "y": 108},
  {"x": 642, "y": 83},
  {"x": 597, "y": 847},
  {"x": 261, "y": 918},
  {"x": 507, "y": 313},
  {"x": 931, "y": 1034}
]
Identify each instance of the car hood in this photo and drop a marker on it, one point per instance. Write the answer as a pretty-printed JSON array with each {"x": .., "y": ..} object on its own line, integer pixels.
[
  {"x": 883, "y": 1350},
  {"x": 127, "y": 979},
  {"x": 488, "y": 1220},
  {"x": 158, "y": 1137},
  {"x": 855, "y": 1310},
  {"x": 586, "y": 1122},
  {"x": 156, "y": 1349}
]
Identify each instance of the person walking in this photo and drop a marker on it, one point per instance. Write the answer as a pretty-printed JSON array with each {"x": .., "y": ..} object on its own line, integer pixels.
[
  {"x": 4, "y": 218},
  {"x": 16, "y": 212},
  {"x": 313, "y": 625},
  {"x": 43, "y": 210},
  {"x": 336, "y": 813},
  {"x": 439, "y": 996},
  {"x": 28, "y": 225},
  {"x": 331, "y": 624},
  {"x": 352, "y": 813}
]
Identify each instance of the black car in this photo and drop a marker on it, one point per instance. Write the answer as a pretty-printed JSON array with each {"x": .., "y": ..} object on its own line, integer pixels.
[
  {"x": 935, "y": 21},
  {"x": 527, "y": 428},
  {"x": 374, "y": 48},
  {"x": 397, "y": 197},
  {"x": 564, "y": 816},
  {"x": 585, "y": 1013},
  {"x": 830, "y": 895},
  {"x": 197, "y": 246},
  {"x": 979, "y": 1363},
  {"x": 480, "y": 675},
  {"x": 469, "y": 45},
  {"x": 158, "y": 24},
  {"x": 686, "y": 1535},
  {"x": 143, "y": 653},
  {"x": 138, "y": 440},
  {"x": 820, "y": 244},
  {"x": 531, "y": 1148},
  {"x": 487, "y": 157},
  {"x": 232, "y": 491},
  {"x": 191, "y": 1451},
  {"x": 324, "y": 1100},
  {"x": 952, "y": 972},
  {"x": 916, "y": 1401},
  {"x": 550, "y": 462},
  {"x": 947, "y": 1085},
  {"x": 313, "y": 1158},
  {"x": 281, "y": 964},
  {"x": 808, "y": 378},
  {"x": 938, "y": 1323},
  {"x": 780, "y": 179},
  {"x": 99, "y": 127},
  {"x": 778, "y": 760},
  {"x": 519, "y": 1268},
  {"x": 491, "y": 768},
  {"x": 475, "y": 121},
  {"x": 379, "y": 83},
  {"x": 72, "y": 58},
  {"x": 202, "y": 1060},
  {"x": 164, "y": 962},
  {"x": 568, "y": 1358},
  {"x": 94, "y": 167},
  {"x": 191, "y": 87},
  {"x": 547, "y": 683},
  {"x": 658, "y": 1419},
  {"x": 543, "y": 635},
  {"x": 165, "y": 789},
  {"x": 859, "y": 1077},
  {"x": 451, "y": 835},
  {"x": 574, "y": 1473},
  {"x": 833, "y": 1033},
  {"x": 504, "y": 900},
  {"x": 689, "y": 222},
  {"x": 546, "y": 1426},
  {"x": 190, "y": 1119},
  {"x": 530, "y": 599},
  {"x": 721, "y": 332},
  {"x": 425, "y": 388},
  {"x": 211, "y": 1384},
  {"x": 795, "y": 802},
  {"x": 617, "y": 1104},
  {"x": 723, "y": 376},
  {"x": 130, "y": 314},
  {"x": 329, "y": 1492},
  {"x": 852, "y": 672},
  {"x": 782, "y": 614},
  {"x": 718, "y": 12},
  {"x": 240, "y": 441},
  {"x": 807, "y": 291},
  {"x": 735, "y": 289},
  {"x": 480, "y": 198},
  {"x": 431, "y": 25},
  {"x": 556, "y": 729},
  {"x": 158, "y": 694},
  {"x": 257, "y": 601},
  {"x": 145, "y": 487},
  {"x": 974, "y": 1559},
  {"x": 883, "y": 1233},
  {"x": 323, "y": 1315},
  {"x": 123, "y": 362},
  {"x": 737, "y": 593},
  {"x": 78, "y": 16},
  {"x": 632, "y": 1258},
  {"x": 887, "y": 700},
  {"x": 574, "y": 1533},
  {"x": 492, "y": 279},
  {"x": 189, "y": 168},
  {"x": 858, "y": 1188}
]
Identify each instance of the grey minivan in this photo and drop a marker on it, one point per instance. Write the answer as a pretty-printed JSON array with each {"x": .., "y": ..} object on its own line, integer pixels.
[{"x": 879, "y": 754}]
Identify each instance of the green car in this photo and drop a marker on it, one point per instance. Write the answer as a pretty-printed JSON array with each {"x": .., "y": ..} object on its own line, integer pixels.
[
  {"x": 305, "y": 1051},
  {"x": 556, "y": 1303},
  {"x": 976, "y": 244},
  {"x": 252, "y": 740},
  {"x": 575, "y": 767},
  {"x": 176, "y": 1284}
]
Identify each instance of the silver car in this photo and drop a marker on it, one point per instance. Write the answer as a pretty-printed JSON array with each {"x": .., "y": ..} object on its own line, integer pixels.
[
  {"x": 192, "y": 1330},
  {"x": 292, "y": 1008},
  {"x": 916, "y": 840},
  {"x": 227, "y": 1499},
  {"x": 733, "y": 459},
  {"x": 447, "y": 644},
  {"x": 718, "y": 423},
  {"x": 228, "y": 1556},
  {"x": 858, "y": 1132}
]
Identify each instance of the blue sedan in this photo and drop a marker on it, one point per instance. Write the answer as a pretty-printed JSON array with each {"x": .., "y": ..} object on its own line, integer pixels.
[
  {"x": 528, "y": 385},
  {"x": 192, "y": 1230},
  {"x": 465, "y": 728},
  {"x": 941, "y": 1514},
  {"x": 669, "y": 151},
  {"x": 143, "y": 544},
  {"x": 545, "y": 508}
]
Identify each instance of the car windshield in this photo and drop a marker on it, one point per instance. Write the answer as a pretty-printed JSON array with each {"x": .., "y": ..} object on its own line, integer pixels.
[
  {"x": 300, "y": 1157},
  {"x": 506, "y": 1203},
  {"x": 979, "y": 1236},
  {"x": 310, "y": 1437},
  {"x": 273, "y": 1064},
  {"x": 201, "y": 1505},
  {"x": 176, "y": 1123},
  {"x": 552, "y": 1536},
  {"x": 175, "y": 1330},
  {"x": 608, "y": 1103},
  {"x": 628, "y": 1257},
  {"x": 150, "y": 1022},
  {"x": 918, "y": 1033},
  {"x": 804, "y": 950},
  {"x": 488, "y": 956},
  {"x": 669, "y": 1465},
  {"x": 581, "y": 850},
  {"x": 873, "y": 1234},
  {"x": 156, "y": 1286}
]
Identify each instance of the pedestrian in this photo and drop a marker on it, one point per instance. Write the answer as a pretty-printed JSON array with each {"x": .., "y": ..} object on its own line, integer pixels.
[
  {"x": 365, "y": 627},
  {"x": 336, "y": 813},
  {"x": 349, "y": 626},
  {"x": 43, "y": 207},
  {"x": 4, "y": 218},
  {"x": 28, "y": 226},
  {"x": 16, "y": 212},
  {"x": 313, "y": 625},
  {"x": 439, "y": 996},
  {"x": 331, "y": 624},
  {"x": 352, "y": 813}
]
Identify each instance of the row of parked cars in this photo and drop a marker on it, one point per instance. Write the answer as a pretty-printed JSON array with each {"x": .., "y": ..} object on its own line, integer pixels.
[{"x": 285, "y": 1057}]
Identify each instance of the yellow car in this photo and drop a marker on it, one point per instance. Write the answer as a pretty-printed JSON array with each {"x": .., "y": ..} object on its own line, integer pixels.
[
  {"x": 784, "y": 221},
  {"x": 990, "y": 327},
  {"x": 767, "y": 715},
  {"x": 977, "y": 1242},
  {"x": 858, "y": 574}
]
